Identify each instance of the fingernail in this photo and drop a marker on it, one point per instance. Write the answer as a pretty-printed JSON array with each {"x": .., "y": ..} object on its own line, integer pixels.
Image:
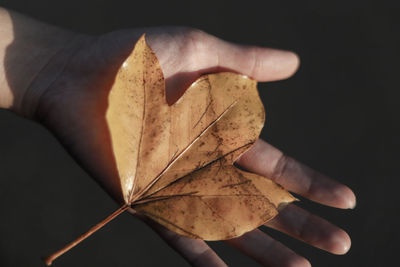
[
  {"x": 352, "y": 203},
  {"x": 340, "y": 243}
]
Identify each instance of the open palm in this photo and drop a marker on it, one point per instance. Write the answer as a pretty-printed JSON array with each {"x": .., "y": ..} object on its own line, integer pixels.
[{"x": 73, "y": 108}]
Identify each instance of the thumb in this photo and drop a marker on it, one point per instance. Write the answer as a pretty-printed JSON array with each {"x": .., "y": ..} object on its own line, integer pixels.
[
  {"x": 260, "y": 63},
  {"x": 186, "y": 53}
]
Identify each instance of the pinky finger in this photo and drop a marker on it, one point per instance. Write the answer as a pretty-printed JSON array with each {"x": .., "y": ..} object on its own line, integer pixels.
[
  {"x": 196, "y": 252},
  {"x": 266, "y": 250}
]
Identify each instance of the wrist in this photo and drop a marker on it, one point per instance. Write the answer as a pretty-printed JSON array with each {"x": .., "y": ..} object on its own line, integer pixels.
[
  {"x": 32, "y": 53},
  {"x": 47, "y": 76}
]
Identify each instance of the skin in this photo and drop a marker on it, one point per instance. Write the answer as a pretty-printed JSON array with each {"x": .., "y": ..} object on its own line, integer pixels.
[{"x": 64, "y": 86}]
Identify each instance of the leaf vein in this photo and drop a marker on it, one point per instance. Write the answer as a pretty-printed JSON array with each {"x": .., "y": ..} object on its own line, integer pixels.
[{"x": 198, "y": 169}]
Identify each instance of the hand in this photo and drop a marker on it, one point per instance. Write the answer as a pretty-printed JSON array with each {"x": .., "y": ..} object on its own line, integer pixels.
[{"x": 72, "y": 106}]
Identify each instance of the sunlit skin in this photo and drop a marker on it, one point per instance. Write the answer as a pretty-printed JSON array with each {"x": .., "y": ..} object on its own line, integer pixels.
[{"x": 65, "y": 88}]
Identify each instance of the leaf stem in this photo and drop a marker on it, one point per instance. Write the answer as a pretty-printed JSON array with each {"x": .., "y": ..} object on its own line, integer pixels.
[{"x": 48, "y": 260}]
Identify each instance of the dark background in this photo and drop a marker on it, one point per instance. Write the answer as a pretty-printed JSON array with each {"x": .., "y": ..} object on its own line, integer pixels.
[{"x": 339, "y": 114}]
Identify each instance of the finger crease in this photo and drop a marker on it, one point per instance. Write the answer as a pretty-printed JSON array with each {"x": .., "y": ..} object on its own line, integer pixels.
[
  {"x": 280, "y": 168},
  {"x": 301, "y": 232},
  {"x": 197, "y": 259},
  {"x": 256, "y": 63}
]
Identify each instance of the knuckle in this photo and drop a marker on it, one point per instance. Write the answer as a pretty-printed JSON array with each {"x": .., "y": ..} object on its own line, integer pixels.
[
  {"x": 257, "y": 63},
  {"x": 195, "y": 44},
  {"x": 196, "y": 38},
  {"x": 193, "y": 33}
]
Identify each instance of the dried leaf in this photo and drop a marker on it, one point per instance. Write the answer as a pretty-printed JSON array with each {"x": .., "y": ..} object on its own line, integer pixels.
[{"x": 176, "y": 162}]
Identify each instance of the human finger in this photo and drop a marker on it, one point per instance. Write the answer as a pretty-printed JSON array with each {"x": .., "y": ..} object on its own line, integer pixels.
[
  {"x": 311, "y": 229},
  {"x": 196, "y": 252},
  {"x": 261, "y": 63},
  {"x": 266, "y": 160},
  {"x": 267, "y": 251}
]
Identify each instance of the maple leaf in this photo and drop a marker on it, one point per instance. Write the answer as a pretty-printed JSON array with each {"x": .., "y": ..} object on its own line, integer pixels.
[{"x": 176, "y": 162}]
